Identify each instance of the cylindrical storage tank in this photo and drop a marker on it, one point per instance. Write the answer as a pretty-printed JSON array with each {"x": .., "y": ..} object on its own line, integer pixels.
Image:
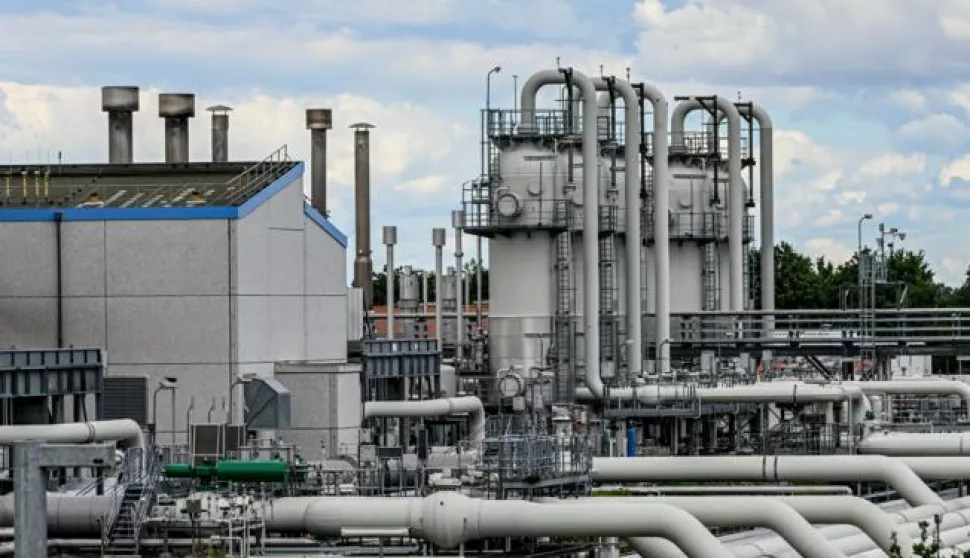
[
  {"x": 252, "y": 471},
  {"x": 449, "y": 304},
  {"x": 521, "y": 263},
  {"x": 531, "y": 187}
]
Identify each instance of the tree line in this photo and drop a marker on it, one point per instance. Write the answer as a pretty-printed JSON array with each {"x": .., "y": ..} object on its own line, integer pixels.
[
  {"x": 471, "y": 268},
  {"x": 804, "y": 282}
]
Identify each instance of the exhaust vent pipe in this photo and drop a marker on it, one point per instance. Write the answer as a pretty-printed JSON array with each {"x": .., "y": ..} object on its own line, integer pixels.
[
  {"x": 120, "y": 102},
  {"x": 220, "y": 132},
  {"x": 318, "y": 121},
  {"x": 363, "y": 264},
  {"x": 176, "y": 109}
]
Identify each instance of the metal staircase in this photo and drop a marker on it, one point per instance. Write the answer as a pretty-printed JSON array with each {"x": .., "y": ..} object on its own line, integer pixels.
[{"x": 121, "y": 535}]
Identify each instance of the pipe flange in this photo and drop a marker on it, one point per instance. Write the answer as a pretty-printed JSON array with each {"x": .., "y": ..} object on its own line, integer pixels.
[
  {"x": 508, "y": 205},
  {"x": 510, "y": 385}
]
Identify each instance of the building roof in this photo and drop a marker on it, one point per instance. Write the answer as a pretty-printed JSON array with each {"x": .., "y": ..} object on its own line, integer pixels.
[{"x": 149, "y": 191}]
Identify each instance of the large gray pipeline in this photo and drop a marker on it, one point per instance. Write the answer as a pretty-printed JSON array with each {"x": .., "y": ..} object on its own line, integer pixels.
[
  {"x": 67, "y": 516},
  {"x": 448, "y": 518},
  {"x": 735, "y": 188},
  {"x": 75, "y": 432},
  {"x": 839, "y": 468},
  {"x": 591, "y": 286},
  {"x": 434, "y": 408},
  {"x": 749, "y": 511},
  {"x": 773, "y": 392}
]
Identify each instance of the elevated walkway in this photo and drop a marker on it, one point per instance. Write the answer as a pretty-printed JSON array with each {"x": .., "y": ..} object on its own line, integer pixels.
[{"x": 935, "y": 331}]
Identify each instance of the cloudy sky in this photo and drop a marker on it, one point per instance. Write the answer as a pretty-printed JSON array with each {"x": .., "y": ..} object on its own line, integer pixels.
[{"x": 871, "y": 98}]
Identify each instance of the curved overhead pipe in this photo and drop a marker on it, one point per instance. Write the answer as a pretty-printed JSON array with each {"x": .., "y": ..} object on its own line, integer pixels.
[
  {"x": 125, "y": 430},
  {"x": 434, "y": 408},
  {"x": 855, "y": 468},
  {"x": 917, "y": 387},
  {"x": 745, "y": 511},
  {"x": 591, "y": 286},
  {"x": 661, "y": 185},
  {"x": 735, "y": 187},
  {"x": 631, "y": 181},
  {"x": 448, "y": 518}
]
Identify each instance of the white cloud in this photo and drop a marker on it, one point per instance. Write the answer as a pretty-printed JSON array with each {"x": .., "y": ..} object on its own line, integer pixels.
[
  {"x": 957, "y": 169},
  {"x": 888, "y": 208},
  {"x": 890, "y": 164},
  {"x": 832, "y": 249},
  {"x": 908, "y": 99},
  {"x": 851, "y": 196},
  {"x": 936, "y": 132},
  {"x": 832, "y": 217},
  {"x": 803, "y": 41},
  {"x": 425, "y": 186}
]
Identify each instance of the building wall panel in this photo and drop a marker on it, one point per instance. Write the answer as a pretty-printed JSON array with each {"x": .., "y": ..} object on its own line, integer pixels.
[{"x": 172, "y": 329}]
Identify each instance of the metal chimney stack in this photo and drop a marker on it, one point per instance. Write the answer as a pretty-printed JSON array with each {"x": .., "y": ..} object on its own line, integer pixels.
[
  {"x": 363, "y": 264},
  {"x": 120, "y": 102},
  {"x": 220, "y": 133},
  {"x": 318, "y": 121},
  {"x": 176, "y": 109}
]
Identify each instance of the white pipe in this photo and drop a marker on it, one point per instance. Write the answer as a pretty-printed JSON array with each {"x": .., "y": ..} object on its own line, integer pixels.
[
  {"x": 772, "y": 392},
  {"x": 916, "y": 443},
  {"x": 751, "y": 511},
  {"x": 767, "y": 190},
  {"x": 75, "y": 432},
  {"x": 734, "y": 490},
  {"x": 591, "y": 286},
  {"x": 448, "y": 518},
  {"x": 631, "y": 162},
  {"x": 661, "y": 224},
  {"x": 917, "y": 387},
  {"x": 839, "y": 468},
  {"x": 735, "y": 188},
  {"x": 939, "y": 467},
  {"x": 434, "y": 408}
]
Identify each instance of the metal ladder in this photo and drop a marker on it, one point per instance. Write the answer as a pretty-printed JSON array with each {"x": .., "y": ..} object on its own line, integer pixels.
[
  {"x": 608, "y": 293},
  {"x": 565, "y": 388},
  {"x": 122, "y": 533},
  {"x": 710, "y": 276}
]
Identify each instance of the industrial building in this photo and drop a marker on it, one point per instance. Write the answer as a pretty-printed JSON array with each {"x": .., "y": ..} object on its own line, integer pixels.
[{"x": 621, "y": 354}]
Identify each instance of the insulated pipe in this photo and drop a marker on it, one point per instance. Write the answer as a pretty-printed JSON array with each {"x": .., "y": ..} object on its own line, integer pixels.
[
  {"x": 363, "y": 263},
  {"x": 631, "y": 162},
  {"x": 591, "y": 283},
  {"x": 735, "y": 490},
  {"x": 319, "y": 122},
  {"x": 661, "y": 224},
  {"x": 735, "y": 187},
  {"x": 916, "y": 444},
  {"x": 390, "y": 239},
  {"x": 120, "y": 102},
  {"x": 751, "y": 511},
  {"x": 434, "y": 408},
  {"x": 438, "y": 239},
  {"x": 774, "y": 392},
  {"x": 176, "y": 109},
  {"x": 917, "y": 387},
  {"x": 838, "y": 468},
  {"x": 67, "y": 515},
  {"x": 75, "y": 432},
  {"x": 458, "y": 222},
  {"x": 767, "y": 190},
  {"x": 448, "y": 518},
  {"x": 937, "y": 467},
  {"x": 220, "y": 132}
]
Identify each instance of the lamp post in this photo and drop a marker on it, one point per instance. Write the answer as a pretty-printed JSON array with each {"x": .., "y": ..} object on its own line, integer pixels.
[
  {"x": 188, "y": 420},
  {"x": 242, "y": 379},
  {"x": 168, "y": 383},
  {"x": 862, "y": 285}
]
